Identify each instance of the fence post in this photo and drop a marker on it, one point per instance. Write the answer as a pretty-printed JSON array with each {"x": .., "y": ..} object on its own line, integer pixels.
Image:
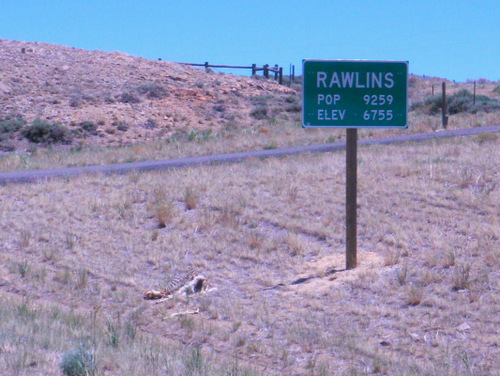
[
  {"x": 206, "y": 66},
  {"x": 443, "y": 109},
  {"x": 474, "y": 101},
  {"x": 276, "y": 72},
  {"x": 281, "y": 76},
  {"x": 254, "y": 69},
  {"x": 266, "y": 71}
]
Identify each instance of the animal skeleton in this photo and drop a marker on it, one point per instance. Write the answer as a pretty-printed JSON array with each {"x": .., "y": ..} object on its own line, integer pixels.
[{"x": 186, "y": 283}]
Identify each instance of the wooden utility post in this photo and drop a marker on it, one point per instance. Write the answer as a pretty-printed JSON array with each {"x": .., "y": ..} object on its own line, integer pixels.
[
  {"x": 351, "y": 197},
  {"x": 443, "y": 108}
]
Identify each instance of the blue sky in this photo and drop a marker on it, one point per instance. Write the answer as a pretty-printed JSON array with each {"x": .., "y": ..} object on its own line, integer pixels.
[{"x": 454, "y": 39}]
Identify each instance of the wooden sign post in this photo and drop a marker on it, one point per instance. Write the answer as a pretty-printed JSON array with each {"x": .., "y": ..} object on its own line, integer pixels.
[{"x": 351, "y": 198}]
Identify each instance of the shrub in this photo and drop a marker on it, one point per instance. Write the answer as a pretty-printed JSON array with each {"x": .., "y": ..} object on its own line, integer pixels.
[
  {"x": 432, "y": 105},
  {"x": 76, "y": 100},
  {"x": 461, "y": 101},
  {"x": 415, "y": 295},
  {"x": 191, "y": 198},
  {"x": 262, "y": 100},
  {"x": 165, "y": 212},
  {"x": 88, "y": 127},
  {"x": 487, "y": 137},
  {"x": 460, "y": 278},
  {"x": 108, "y": 99},
  {"x": 40, "y": 132},
  {"x": 206, "y": 134},
  {"x": 79, "y": 362},
  {"x": 150, "y": 124},
  {"x": 192, "y": 135},
  {"x": 412, "y": 81},
  {"x": 295, "y": 107},
  {"x": 259, "y": 112},
  {"x": 121, "y": 126},
  {"x": 219, "y": 108},
  {"x": 11, "y": 123},
  {"x": 129, "y": 98},
  {"x": 7, "y": 146},
  {"x": 496, "y": 89},
  {"x": 152, "y": 90}
]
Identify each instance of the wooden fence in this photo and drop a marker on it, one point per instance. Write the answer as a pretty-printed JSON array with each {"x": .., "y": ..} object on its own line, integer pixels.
[{"x": 277, "y": 70}]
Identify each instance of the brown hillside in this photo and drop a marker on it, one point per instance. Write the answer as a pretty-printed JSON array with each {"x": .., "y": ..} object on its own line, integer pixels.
[{"x": 128, "y": 98}]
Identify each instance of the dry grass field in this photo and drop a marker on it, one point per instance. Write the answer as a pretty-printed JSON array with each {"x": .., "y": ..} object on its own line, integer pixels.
[{"x": 269, "y": 236}]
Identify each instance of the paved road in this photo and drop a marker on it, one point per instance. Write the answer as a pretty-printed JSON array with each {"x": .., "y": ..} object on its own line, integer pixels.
[{"x": 121, "y": 168}]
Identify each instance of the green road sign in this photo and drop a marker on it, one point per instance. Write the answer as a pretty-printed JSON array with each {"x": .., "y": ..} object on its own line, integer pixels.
[{"x": 355, "y": 94}]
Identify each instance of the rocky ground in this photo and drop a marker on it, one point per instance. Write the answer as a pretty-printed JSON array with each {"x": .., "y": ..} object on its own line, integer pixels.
[{"x": 115, "y": 98}]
